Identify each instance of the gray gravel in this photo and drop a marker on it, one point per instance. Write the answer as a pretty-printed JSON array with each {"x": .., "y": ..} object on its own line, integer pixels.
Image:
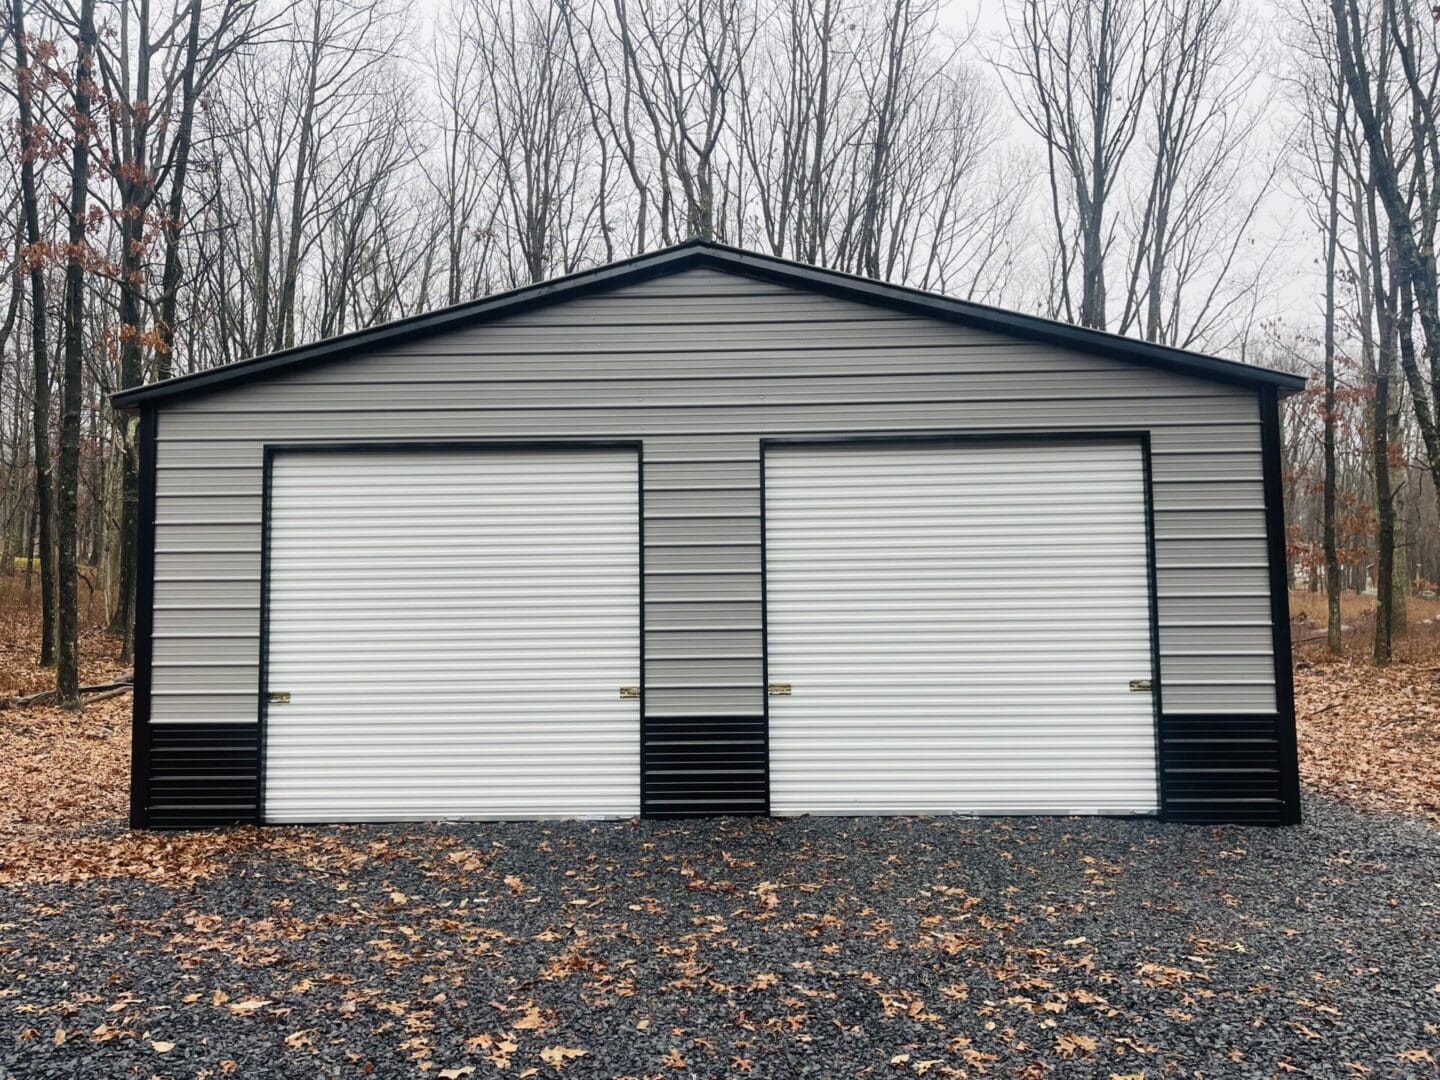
[{"x": 824, "y": 948}]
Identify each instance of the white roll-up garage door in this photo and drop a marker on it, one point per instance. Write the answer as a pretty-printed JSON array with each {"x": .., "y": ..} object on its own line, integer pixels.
[
  {"x": 453, "y": 629},
  {"x": 959, "y": 624}
]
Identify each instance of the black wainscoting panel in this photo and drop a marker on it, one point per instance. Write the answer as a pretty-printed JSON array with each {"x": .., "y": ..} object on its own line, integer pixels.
[
  {"x": 1220, "y": 769},
  {"x": 203, "y": 775},
  {"x": 693, "y": 766}
]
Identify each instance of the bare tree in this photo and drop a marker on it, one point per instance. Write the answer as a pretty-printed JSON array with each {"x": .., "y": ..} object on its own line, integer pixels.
[
  {"x": 1411, "y": 222},
  {"x": 533, "y": 123},
  {"x": 81, "y": 88},
  {"x": 33, "y": 258},
  {"x": 1080, "y": 75},
  {"x": 1198, "y": 134}
]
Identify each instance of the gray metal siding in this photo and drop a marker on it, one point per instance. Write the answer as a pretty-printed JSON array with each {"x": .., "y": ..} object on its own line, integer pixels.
[{"x": 701, "y": 365}]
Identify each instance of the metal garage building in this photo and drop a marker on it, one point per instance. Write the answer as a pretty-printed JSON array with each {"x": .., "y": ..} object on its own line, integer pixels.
[{"x": 710, "y": 532}]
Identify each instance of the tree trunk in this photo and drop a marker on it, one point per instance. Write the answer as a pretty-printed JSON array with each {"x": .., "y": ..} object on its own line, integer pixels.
[
  {"x": 170, "y": 277},
  {"x": 136, "y": 194},
  {"x": 30, "y": 550},
  {"x": 289, "y": 282},
  {"x": 1384, "y": 505},
  {"x": 1400, "y": 599},
  {"x": 67, "y": 666},
  {"x": 1413, "y": 253},
  {"x": 44, "y": 512},
  {"x": 1333, "y": 643},
  {"x": 97, "y": 494}
]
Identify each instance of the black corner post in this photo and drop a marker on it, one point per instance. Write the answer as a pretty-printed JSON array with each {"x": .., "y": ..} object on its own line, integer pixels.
[
  {"x": 1278, "y": 558},
  {"x": 144, "y": 624}
]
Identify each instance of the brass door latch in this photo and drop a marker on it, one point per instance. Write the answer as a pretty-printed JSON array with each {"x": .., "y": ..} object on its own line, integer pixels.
[
  {"x": 779, "y": 689},
  {"x": 1140, "y": 686},
  {"x": 630, "y": 691},
  {"x": 279, "y": 697}
]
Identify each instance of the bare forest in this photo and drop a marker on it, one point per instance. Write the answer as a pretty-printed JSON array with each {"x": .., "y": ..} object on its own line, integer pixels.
[{"x": 191, "y": 182}]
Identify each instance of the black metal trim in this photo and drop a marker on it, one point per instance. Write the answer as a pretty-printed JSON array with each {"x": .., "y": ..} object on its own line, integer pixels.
[
  {"x": 140, "y": 734},
  {"x": 262, "y": 699},
  {"x": 1140, "y": 437},
  {"x": 269, "y": 452},
  {"x": 643, "y": 755},
  {"x": 707, "y": 253},
  {"x": 764, "y": 629},
  {"x": 1153, "y": 582},
  {"x": 1008, "y": 435},
  {"x": 1271, "y": 463}
]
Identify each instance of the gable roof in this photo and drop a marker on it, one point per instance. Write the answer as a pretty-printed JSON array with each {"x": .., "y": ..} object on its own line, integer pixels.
[{"x": 708, "y": 253}]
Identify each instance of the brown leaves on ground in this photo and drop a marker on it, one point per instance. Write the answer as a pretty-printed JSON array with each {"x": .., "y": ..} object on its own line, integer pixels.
[
  {"x": 178, "y": 860},
  {"x": 20, "y": 674},
  {"x": 1367, "y": 735},
  {"x": 64, "y": 769},
  {"x": 60, "y": 769},
  {"x": 1371, "y": 735}
]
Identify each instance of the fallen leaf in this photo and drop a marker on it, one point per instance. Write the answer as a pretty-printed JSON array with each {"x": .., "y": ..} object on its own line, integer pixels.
[
  {"x": 535, "y": 1019},
  {"x": 456, "y": 1074},
  {"x": 1069, "y": 1045},
  {"x": 250, "y": 1005},
  {"x": 559, "y": 1056},
  {"x": 162, "y": 1047}
]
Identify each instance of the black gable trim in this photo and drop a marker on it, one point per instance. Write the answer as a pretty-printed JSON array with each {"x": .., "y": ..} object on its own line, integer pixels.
[{"x": 707, "y": 253}]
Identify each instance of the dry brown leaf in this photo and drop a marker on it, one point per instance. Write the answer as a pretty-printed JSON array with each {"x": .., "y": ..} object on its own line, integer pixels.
[
  {"x": 560, "y": 1056},
  {"x": 1068, "y": 1045}
]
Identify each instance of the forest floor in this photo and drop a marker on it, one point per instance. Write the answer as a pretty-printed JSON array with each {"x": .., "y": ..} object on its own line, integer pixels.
[
  {"x": 810, "y": 947},
  {"x": 1369, "y": 735}
]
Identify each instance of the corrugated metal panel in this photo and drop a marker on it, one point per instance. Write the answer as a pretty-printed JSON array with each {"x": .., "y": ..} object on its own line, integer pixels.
[
  {"x": 959, "y": 624},
  {"x": 202, "y": 774},
  {"x": 453, "y": 628}
]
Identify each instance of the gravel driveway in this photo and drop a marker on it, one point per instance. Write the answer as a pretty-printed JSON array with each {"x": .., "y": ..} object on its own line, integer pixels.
[{"x": 825, "y": 948}]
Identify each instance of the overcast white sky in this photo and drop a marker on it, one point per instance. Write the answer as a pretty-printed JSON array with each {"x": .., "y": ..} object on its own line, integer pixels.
[
  {"x": 1281, "y": 232},
  {"x": 1282, "y": 226}
]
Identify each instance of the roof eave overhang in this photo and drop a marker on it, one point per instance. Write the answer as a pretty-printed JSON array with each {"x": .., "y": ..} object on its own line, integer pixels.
[{"x": 707, "y": 253}]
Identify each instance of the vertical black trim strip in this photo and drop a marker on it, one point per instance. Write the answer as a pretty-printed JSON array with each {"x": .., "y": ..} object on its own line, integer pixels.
[
  {"x": 262, "y": 699},
  {"x": 1288, "y": 749},
  {"x": 764, "y": 636},
  {"x": 144, "y": 624},
  {"x": 1153, "y": 576},
  {"x": 642, "y": 758}
]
